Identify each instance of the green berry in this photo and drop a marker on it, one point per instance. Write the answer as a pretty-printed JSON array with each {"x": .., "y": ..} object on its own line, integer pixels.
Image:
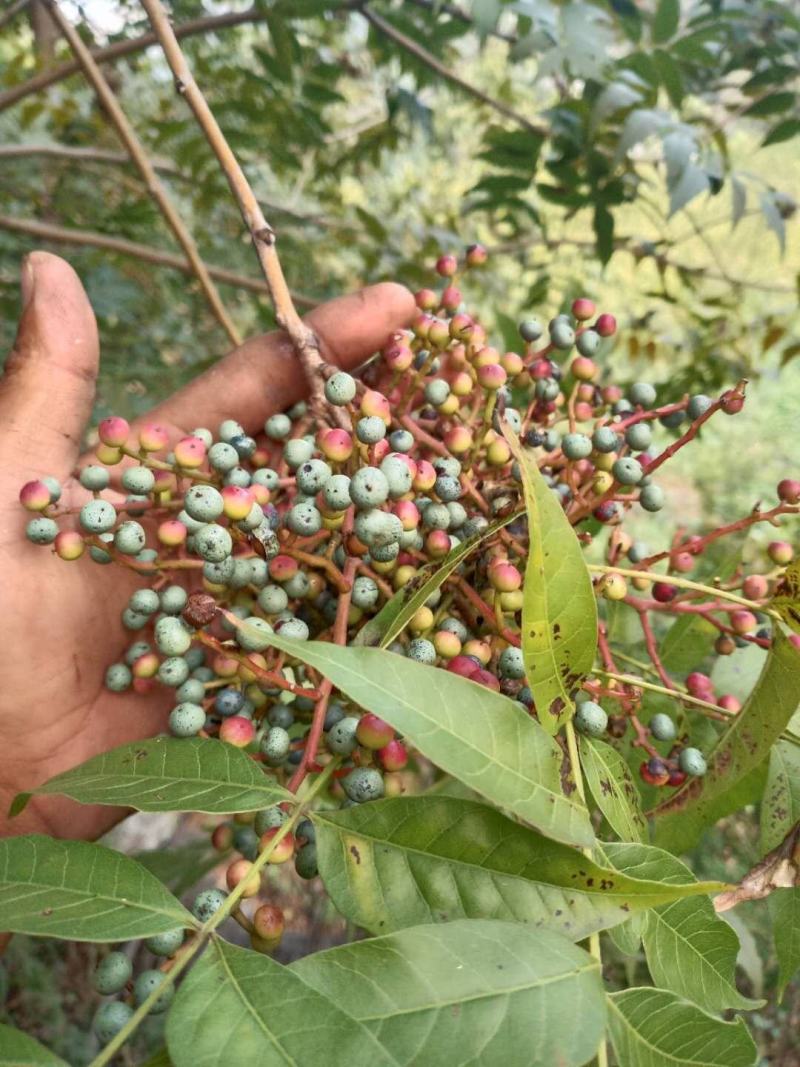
[
  {"x": 266, "y": 476},
  {"x": 191, "y": 692},
  {"x": 146, "y": 983},
  {"x": 110, "y": 1019},
  {"x": 662, "y": 727},
  {"x": 698, "y": 405},
  {"x": 588, "y": 342},
  {"x": 173, "y": 599},
  {"x": 562, "y": 334},
  {"x": 130, "y": 538},
  {"x": 363, "y": 784},
  {"x": 41, "y": 531},
  {"x": 228, "y": 429},
  {"x": 186, "y": 720},
  {"x": 145, "y": 601},
  {"x": 213, "y": 542},
  {"x": 336, "y": 493},
  {"x": 118, "y": 677},
  {"x": 278, "y": 427},
  {"x": 398, "y": 475},
  {"x": 113, "y": 973},
  {"x": 275, "y": 744},
  {"x": 531, "y": 329},
  {"x": 166, "y": 944},
  {"x": 269, "y": 819},
  {"x": 94, "y": 478},
  {"x": 342, "y": 736},
  {"x": 223, "y": 457},
  {"x": 253, "y": 636},
  {"x": 297, "y": 452},
  {"x": 207, "y": 903},
  {"x": 576, "y": 446},
  {"x": 305, "y": 861},
  {"x": 369, "y": 488},
  {"x": 421, "y": 651},
  {"x": 511, "y": 664},
  {"x": 273, "y": 599},
  {"x": 692, "y": 761},
  {"x": 590, "y": 719},
  {"x": 173, "y": 671},
  {"x": 604, "y": 439},
  {"x": 638, "y": 436},
  {"x": 642, "y": 394},
  {"x": 340, "y": 388},
  {"x": 437, "y": 391},
  {"x": 138, "y": 480},
  {"x": 172, "y": 636},
  {"x": 294, "y": 628},
  {"x": 365, "y": 593},
  {"x": 97, "y": 516},
  {"x": 652, "y": 497},
  {"x": 627, "y": 471},
  {"x": 133, "y": 620},
  {"x": 370, "y": 429},
  {"x": 204, "y": 503},
  {"x": 312, "y": 476},
  {"x": 304, "y": 519}
]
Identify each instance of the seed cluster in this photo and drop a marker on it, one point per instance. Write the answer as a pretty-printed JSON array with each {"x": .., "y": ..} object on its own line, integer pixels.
[{"x": 307, "y": 529}]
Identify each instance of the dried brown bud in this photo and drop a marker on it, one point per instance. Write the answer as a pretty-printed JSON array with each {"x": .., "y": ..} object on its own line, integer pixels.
[{"x": 200, "y": 610}]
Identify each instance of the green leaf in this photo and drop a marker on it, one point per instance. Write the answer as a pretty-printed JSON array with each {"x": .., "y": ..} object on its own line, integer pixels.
[
  {"x": 780, "y": 811},
  {"x": 666, "y": 20},
  {"x": 692, "y": 182},
  {"x": 408, "y": 860},
  {"x": 168, "y": 774},
  {"x": 679, "y": 649},
  {"x": 741, "y": 748},
  {"x": 669, "y": 73},
  {"x": 655, "y": 1028},
  {"x": 772, "y": 104},
  {"x": 159, "y": 1059},
  {"x": 81, "y": 891},
  {"x": 604, "y": 232},
  {"x": 738, "y": 673},
  {"x": 19, "y": 1050},
  {"x": 690, "y": 950},
  {"x": 782, "y": 131},
  {"x": 468, "y": 993},
  {"x": 396, "y": 613},
  {"x": 277, "y": 1019},
  {"x": 613, "y": 788},
  {"x": 480, "y": 737},
  {"x": 559, "y": 613},
  {"x": 773, "y": 217}
]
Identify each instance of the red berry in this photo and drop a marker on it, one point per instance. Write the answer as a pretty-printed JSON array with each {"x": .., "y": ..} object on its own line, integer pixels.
[
  {"x": 663, "y": 592},
  {"x": 237, "y": 731},
  {"x": 393, "y": 756},
  {"x": 466, "y": 666},
  {"x": 446, "y": 266},
  {"x": 484, "y": 677},
  {"x": 373, "y": 732},
  {"x": 789, "y": 491},
  {"x": 583, "y": 308},
  {"x": 606, "y": 325},
  {"x": 113, "y": 431}
]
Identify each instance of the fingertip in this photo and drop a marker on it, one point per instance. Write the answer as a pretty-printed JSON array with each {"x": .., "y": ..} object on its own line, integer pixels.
[{"x": 351, "y": 328}]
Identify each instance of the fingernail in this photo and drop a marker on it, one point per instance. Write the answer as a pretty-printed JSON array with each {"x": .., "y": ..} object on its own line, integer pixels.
[{"x": 27, "y": 281}]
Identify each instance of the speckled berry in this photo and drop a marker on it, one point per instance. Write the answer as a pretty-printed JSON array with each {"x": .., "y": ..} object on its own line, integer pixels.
[
  {"x": 186, "y": 720},
  {"x": 98, "y": 516},
  {"x": 110, "y": 1019},
  {"x": 112, "y": 974},
  {"x": 591, "y": 719},
  {"x": 692, "y": 761}
]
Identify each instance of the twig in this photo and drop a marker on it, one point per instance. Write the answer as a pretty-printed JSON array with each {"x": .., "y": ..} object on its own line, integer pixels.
[
  {"x": 157, "y": 190},
  {"x": 303, "y": 338},
  {"x": 424, "y": 56},
  {"x": 88, "y": 239}
]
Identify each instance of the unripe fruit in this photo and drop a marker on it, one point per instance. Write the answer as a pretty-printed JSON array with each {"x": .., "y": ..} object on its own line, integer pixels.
[
  {"x": 662, "y": 727},
  {"x": 269, "y": 923},
  {"x": 780, "y": 552},
  {"x": 35, "y": 496},
  {"x": 69, "y": 545},
  {"x": 446, "y": 266},
  {"x": 282, "y": 851},
  {"x": 755, "y": 587},
  {"x": 113, "y": 973},
  {"x": 190, "y": 452},
  {"x": 113, "y": 431},
  {"x": 743, "y": 622},
  {"x": 373, "y": 733},
  {"x": 591, "y": 719},
  {"x": 237, "y": 731},
  {"x": 153, "y": 438},
  {"x": 613, "y": 587},
  {"x": 583, "y": 308},
  {"x": 584, "y": 369},
  {"x": 691, "y": 761},
  {"x": 240, "y": 871}
]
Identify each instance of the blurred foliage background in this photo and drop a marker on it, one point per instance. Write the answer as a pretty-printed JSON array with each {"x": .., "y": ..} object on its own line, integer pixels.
[{"x": 641, "y": 152}]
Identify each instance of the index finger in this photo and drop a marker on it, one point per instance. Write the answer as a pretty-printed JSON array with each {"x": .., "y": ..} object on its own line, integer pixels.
[{"x": 263, "y": 376}]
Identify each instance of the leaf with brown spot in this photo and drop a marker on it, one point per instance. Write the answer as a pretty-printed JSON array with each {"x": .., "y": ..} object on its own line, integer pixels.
[
  {"x": 740, "y": 751},
  {"x": 559, "y": 613},
  {"x": 614, "y": 791}
]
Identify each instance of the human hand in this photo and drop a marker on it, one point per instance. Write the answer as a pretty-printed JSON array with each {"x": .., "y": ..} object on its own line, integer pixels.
[{"x": 60, "y": 624}]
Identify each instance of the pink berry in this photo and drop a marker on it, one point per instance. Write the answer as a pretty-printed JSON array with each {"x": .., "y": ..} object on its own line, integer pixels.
[
  {"x": 114, "y": 431},
  {"x": 152, "y": 437},
  {"x": 743, "y": 622},
  {"x": 780, "y": 552},
  {"x": 789, "y": 491},
  {"x": 425, "y": 477},
  {"x": 755, "y": 587},
  {"x": 393, "y": 756},
  {"x": 335, "y": 444},
  {"x": 172, "y": 532},
  {"x": 583, "y": 308},
  {"x": 373, "y": 732},
  {"x": 484, "y": 677},
  {"x": 34, "y": 496},
  {"x": 698, "y": 683},
  {"x": 426, "y": 300},
  {"x": 446, "y": 266},
  {"x": 492, "y": 376},
  {"x": 476, "y": 255},
  {"x": 437, "y": 544},
  {"x": 190, "y": 452},
  {"x": 237, "y": 731},
  {"x": 583, "y": 368},
  {"x": 729, "y": 703},
  {"x": 283, "y": 568},
  {"x": 458, "y": 440},
  {"x": 237, "y": 502},
  {"x": 69, "y": 544},
  {"x": 463, "y": 665},
  {"x": 451, "y": 299}
]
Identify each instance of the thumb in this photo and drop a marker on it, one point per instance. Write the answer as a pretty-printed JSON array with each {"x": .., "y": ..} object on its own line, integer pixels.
[{"x": 47, "y": 387}]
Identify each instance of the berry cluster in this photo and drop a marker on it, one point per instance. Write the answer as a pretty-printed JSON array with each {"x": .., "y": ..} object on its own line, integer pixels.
[{"x": 307, "y": 529}]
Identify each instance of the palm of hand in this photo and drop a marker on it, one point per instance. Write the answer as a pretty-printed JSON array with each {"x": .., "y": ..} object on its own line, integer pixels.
[{"x": 60, "y": 624}]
